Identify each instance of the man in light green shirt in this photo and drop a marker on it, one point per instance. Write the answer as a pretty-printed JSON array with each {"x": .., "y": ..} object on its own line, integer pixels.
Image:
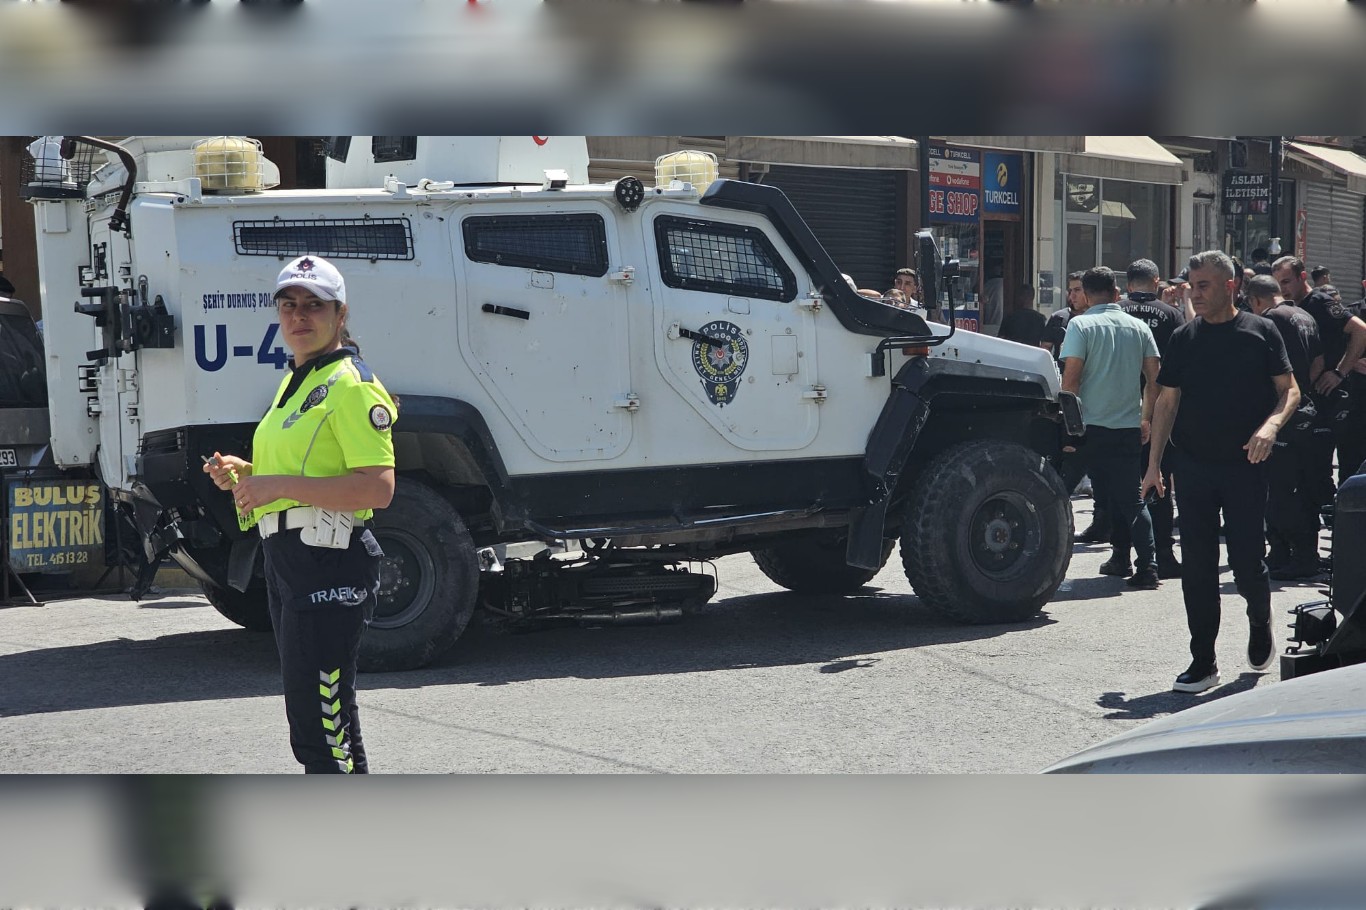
[{"x": 1104, "y": 354}]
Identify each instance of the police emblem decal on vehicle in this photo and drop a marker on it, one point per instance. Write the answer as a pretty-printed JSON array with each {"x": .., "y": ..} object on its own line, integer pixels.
[
  {"x": 721, "y": 367},
  {"x": 314, "y": 399},
  {"x": 380, "y": 418}
]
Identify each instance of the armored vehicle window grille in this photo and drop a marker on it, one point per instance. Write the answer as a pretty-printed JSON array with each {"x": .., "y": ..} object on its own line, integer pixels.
[
  {"x": 337, "y": 147},
  {"x": 393, "y": 148},
  {"x": 576, "y": 244},
  {"x": 335, "y": 238},
  {"x": 721, "y": 259}
]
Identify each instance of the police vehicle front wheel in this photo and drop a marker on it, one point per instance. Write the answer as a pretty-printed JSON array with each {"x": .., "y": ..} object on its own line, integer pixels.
[
  {"x": 249, "y": 609},
  {"x": 428, "y": 584},
  {"x": 988, "y": 532}
]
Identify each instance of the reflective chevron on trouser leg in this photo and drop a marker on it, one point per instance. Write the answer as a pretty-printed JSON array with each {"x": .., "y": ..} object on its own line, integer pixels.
[{"x": 328, "y": 686}]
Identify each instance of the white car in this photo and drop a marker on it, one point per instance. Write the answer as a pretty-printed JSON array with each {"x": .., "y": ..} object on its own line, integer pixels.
[{"x": 1313, "y": 724}]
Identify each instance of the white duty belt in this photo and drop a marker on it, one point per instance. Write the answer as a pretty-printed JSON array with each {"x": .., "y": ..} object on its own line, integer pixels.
[{"x": 318, "y": 527}]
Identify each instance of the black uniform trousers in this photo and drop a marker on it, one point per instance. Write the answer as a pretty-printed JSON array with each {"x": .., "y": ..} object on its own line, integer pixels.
[
  {"x": 1342, "y": 416},
  {"x": 1295, "y": 496},
  {"x": 1239, "y": 489},
  {"x": 320, "y": 602},
  {"x": 1160, "y": 510},
  {"x": 1112, "y": 461}
]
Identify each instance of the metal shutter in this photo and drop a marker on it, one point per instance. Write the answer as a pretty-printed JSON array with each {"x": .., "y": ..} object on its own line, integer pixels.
[
  {"x": 1335, "y": 235},
  {"x": 853, "y": 213}
]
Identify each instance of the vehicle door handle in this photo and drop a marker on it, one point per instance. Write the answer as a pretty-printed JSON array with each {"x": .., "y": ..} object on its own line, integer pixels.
[
  {"x": 698, "y": 336},
  {"x": 506, "y": 311}
]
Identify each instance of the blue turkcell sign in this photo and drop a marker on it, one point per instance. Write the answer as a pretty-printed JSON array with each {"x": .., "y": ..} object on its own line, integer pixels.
[{"x": 1002, "y": 179}]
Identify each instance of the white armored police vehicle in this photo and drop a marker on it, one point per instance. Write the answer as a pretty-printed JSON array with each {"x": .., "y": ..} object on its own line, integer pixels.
[{"x": 664, "y": 374}]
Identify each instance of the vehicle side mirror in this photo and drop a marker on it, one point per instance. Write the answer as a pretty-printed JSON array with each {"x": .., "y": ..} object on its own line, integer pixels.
[
  {"x": 927, "y": 263},
  {"x": 933, "y": 268}
]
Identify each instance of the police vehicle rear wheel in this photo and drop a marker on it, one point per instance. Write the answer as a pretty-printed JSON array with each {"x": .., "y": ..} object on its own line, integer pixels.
[
  {"x": 815, "y": 565},
  {"x": 988, "y": 533},
  {"x": 249, "y": 608},
  {"x": 429, "y": 580}
]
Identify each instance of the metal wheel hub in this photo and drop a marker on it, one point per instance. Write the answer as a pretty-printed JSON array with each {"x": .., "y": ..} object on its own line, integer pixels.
[
  {"x": 407, "y": 579},
  {"x": 1001, "y": 534}
]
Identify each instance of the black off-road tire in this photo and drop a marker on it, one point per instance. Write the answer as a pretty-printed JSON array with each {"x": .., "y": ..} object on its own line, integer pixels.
[
  {"x": 429, "y": 580},
  {"x": 249, "y": 609},
  {"x": 988, "y": 533},
  {"x": 815, "y": 565}
]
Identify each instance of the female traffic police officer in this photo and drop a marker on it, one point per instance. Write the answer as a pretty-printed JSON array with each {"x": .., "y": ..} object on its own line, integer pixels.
[{"x": 322, "y": 461}]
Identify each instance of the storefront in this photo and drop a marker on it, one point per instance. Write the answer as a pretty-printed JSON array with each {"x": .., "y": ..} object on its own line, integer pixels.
[
  {"x": 977, "y": 208},
  {"x": 1328, "y": 224},
  {"x": 1113, "y": 203}
]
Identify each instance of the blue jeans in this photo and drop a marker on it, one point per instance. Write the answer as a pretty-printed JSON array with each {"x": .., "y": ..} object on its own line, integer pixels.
[{"x": 1112, "y": 461}]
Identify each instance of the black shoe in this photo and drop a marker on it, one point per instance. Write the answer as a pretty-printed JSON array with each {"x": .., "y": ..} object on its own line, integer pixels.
[
  {"x": 1168, "y": 567},
  {"x": 1120, "y": 568},
  {"x": 1297, "y": 568},
  {"x": 1261, "y": 649},
  {"x": 1145, "y": 578},
  {"x": 1093, "y": 534},
  {"x": 1197, "y": 678}
]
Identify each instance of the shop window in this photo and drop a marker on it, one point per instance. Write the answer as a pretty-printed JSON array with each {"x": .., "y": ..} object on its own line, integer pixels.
[{"x": 1134, "y": 223}]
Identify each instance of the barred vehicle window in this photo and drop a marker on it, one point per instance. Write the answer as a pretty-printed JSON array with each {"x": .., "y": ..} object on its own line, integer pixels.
[
  {"x": 575, "y": 244},
  {"x": 721, "y": 258},
  {"x": 334, "y": 238},
  {"x": 393, "y": 148}
]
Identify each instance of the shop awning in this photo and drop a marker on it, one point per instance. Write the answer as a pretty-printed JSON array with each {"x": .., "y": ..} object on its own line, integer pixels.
[
  {"x": 1136, "y": 158},
  {"x": 1340, "y": 162},
  {"x": 896, "y": 153}
]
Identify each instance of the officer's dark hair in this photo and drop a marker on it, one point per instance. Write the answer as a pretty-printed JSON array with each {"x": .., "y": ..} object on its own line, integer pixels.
[
  {"x": 1075, "y": 276},
  {"x": 1260, "y": 255},
  {"x": 1318, "y": 273},
  {"x": 346, "y": 339},
  {"x": 1263, "y": 287},
  {"x": 1099, "y": 282},
  {"x": 1296, "y": 265},
  {"x": 1142, "y": 271}
]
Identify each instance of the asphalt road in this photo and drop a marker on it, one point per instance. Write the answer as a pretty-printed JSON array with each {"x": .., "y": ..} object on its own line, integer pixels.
[{"x": 762, "y": 681}]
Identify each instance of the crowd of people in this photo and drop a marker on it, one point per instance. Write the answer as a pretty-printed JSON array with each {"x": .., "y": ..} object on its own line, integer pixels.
[{"x": 1227, "y": 390}]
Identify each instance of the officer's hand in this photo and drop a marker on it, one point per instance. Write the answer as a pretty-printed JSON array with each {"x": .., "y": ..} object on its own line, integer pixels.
[
  {"x": 1260, "y": 446},
  {"x": 1327, "y": 382},
  {"x": 254, "y": 492},
  {"x": 1152, "y": 481},
  {"x": 226, "y": 470},
  {"x": 1145, "y": 429}
]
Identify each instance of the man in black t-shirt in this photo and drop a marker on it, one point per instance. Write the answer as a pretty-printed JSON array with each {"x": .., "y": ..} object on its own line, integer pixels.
[
  {"x": 1144, "y": 304},
  {"x": 1226, "y": 389},
  {"x": 1294, "y": 496},
  {"x": 1337, "y": 389},
  {"x": 1024, "y": 324},
  {"x": 1056, "y": 328}
]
